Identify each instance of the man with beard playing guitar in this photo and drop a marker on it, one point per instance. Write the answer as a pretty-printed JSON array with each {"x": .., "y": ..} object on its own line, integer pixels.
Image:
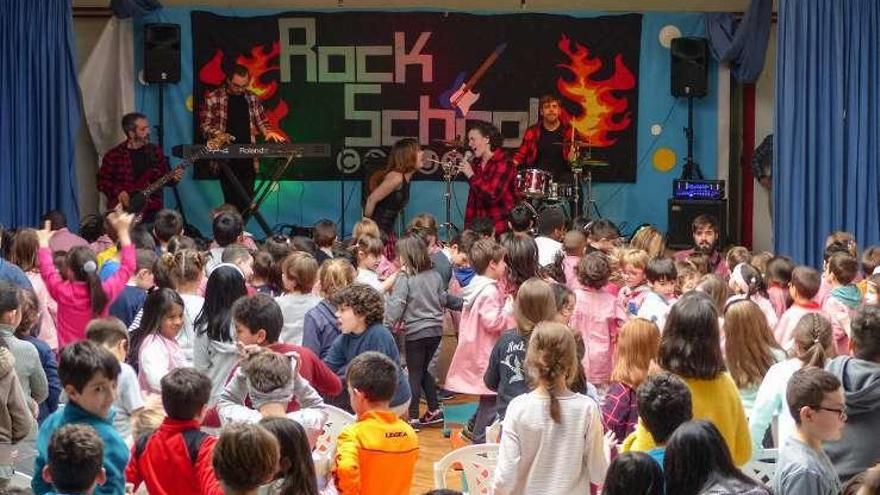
[
  {"x": 704, "y": 230},
  {"x": 132, "y": 165}
]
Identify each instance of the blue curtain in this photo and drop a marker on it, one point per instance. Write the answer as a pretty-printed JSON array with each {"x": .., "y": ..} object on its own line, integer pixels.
[
  {"x": 827, "y": 125},
  {"x": 741, "y": 43},
  {"x": 39, "y": 111}
]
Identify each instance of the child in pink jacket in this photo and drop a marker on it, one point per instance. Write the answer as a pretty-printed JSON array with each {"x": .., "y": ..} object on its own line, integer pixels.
[
  {"x": 597, "y": 316},
  {"x": 483, "y": 320},
  {"x": 805, "y": 282},
  {"x": 573, "y": 246},
  {"x": 843, "y": 299},
  {"x": 83, "y": 296}
]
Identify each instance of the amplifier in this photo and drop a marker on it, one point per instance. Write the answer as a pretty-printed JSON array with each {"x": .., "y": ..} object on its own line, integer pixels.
[{"x": 698, "y": 189}]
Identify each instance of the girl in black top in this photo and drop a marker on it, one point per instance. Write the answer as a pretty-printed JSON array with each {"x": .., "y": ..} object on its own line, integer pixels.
[{"x": 389, "y": 187}]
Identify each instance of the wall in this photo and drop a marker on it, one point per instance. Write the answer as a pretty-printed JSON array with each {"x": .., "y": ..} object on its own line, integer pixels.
[
  {"x": 87, "y": 30},
  {"x": 762, "y": 220}
]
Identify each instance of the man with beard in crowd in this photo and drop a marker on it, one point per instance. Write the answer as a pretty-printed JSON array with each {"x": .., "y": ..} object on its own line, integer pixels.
[{"x": 704, "y": 230}]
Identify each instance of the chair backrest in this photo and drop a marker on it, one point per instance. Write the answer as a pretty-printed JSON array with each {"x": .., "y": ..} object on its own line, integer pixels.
[
  {"x": 762, "y": 467},
  {"x": 477, "y": 463},
  {"x": 337, "y": 419}
]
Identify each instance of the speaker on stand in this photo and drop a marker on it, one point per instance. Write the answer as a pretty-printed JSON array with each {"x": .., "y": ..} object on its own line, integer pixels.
[
  {"x": 689, "y": 77},
  {"x": 162, "y": 66}
]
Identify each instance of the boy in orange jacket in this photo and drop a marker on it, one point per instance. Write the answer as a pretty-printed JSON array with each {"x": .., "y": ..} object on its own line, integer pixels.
[{"x": 378, "y": 453}]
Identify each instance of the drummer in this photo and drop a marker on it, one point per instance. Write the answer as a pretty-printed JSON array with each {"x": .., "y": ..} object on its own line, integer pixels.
[{"x": 547, "y": 144}]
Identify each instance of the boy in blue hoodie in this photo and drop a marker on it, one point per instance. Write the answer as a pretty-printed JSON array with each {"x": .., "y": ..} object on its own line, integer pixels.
[{"x": 88, "y": 374}]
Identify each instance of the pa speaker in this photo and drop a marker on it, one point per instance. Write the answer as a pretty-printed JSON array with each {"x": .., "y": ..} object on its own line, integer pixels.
[
  {"x": 689, "y": 67},
  {"x": 161, "y": 53},
  {"x": 682, "y": 213}
]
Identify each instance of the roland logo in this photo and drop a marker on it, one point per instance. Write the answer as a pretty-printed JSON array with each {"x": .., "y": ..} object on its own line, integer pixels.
[{"x": 252, "y": 151}]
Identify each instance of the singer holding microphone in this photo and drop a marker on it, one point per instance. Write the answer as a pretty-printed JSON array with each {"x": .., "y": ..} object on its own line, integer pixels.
[
  {"x": 491, "y": 175},
  {"x": 389, "y": 187}
]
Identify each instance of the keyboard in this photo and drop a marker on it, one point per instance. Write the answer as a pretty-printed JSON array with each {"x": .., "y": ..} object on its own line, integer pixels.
[{"x": 263, "y": 150}]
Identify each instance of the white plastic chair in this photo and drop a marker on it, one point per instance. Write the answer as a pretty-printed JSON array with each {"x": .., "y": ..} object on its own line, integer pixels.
[
  {"x": 337, "y": 419},
  {"x": 762, "y": 467},
  {"x": 493, "y": 432},
  {"x": 478, "y": 464}
]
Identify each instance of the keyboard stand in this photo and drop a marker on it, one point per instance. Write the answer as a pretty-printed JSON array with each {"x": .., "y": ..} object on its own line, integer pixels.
[
  {"x": 239, "y": 189},
  {"x": 263, "y": 192}
]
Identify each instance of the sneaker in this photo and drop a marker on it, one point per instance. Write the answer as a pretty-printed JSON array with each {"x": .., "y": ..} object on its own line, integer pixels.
[
  {"x": 415, "y": 424},
  {"x": 432, "y": 417},
  {"x": 467, "y": 432}
]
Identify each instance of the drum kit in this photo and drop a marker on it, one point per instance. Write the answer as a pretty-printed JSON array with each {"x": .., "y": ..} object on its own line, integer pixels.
[
  {"x": 537, "y": 187},
  {"x": 540, "y": 189}
]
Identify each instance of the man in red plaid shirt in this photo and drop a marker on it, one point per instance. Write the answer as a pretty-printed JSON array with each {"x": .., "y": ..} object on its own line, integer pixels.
[
  {"x": 132, "y": 165},
  {"x": 492, "y": 177},
  {"x": 234, "y": 109},
  {"x": 547, "y": 144}
]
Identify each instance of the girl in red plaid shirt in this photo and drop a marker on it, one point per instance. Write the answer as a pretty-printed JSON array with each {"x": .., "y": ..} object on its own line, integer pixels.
[{"x": 491, "y": 175}]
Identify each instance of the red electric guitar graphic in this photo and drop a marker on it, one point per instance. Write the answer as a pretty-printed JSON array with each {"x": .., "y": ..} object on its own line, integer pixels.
[{"x": 462, "y": 98}]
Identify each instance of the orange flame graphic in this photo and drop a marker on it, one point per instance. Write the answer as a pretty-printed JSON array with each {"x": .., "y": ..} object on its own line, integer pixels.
[
  {"x": 259, "y": 63},
  {"x": 603, "y": 111}
]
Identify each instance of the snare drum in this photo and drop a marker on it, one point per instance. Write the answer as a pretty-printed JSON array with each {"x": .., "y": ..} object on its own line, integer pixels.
[
  {"x": 533, "y": 183},
  {"x": 560, "y": 191}
]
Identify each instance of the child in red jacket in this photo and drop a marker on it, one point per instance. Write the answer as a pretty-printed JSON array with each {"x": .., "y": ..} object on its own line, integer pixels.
[{"x": 176, "y": 458}]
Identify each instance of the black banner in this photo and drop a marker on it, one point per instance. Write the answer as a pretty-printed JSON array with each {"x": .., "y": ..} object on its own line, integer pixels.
[{"x": 361, "y": 80}]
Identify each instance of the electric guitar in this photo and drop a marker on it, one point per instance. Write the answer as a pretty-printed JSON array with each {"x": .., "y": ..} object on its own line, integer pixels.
[
  {"x": 138, "y": 199},
  {"x": 463, "y": 98}
]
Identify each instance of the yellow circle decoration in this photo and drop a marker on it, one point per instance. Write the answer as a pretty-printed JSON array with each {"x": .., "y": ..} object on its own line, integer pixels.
[
  {"x": 189, "y": 103},
  {"x": 664, "y": 159}
]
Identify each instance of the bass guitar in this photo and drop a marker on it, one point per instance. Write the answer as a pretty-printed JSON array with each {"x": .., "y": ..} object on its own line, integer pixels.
[{"x": 138, "y": 199}]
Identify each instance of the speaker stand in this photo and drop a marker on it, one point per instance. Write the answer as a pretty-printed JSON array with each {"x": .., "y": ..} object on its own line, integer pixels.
[
  {"x": 691, "y": 169},
  {"x": 160, "y": 137}
]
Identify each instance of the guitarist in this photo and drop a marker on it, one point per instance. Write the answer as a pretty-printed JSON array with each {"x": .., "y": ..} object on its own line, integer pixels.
[
  {"x": 542, "y": 146},
  {"x": 132, "y": 165},
  {"x": 234, "y": 109}
]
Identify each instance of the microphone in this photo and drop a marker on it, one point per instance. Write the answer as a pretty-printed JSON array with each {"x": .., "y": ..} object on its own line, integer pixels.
[{"x": 468, "y": 156}]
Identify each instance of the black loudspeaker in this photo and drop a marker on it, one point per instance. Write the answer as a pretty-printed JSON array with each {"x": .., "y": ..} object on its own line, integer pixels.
[
  {"x": 682, "y": 213},
  {"x": 690, "y": 67},
  {"x": 162, "y": 53}
]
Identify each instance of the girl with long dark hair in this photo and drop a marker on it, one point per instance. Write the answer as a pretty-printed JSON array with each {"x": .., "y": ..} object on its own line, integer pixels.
[
  {"x": 214, "y": 351},
  {"x": 698, "y": 461}
]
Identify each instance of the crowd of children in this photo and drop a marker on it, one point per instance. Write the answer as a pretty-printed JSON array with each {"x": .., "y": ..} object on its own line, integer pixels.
[{"x": 155, "y": 361}]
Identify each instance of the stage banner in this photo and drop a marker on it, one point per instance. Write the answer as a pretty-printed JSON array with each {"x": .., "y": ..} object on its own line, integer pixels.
[{"x": 362, "y": 80}]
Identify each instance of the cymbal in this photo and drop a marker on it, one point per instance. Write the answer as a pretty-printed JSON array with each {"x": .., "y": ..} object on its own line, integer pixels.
[
  {"x": 454, "y": 143},
  {"x": 580, "y": 144},
  {"x": 592, "y": 162}
]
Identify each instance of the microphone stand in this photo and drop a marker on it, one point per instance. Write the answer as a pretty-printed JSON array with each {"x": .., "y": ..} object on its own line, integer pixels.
[{"x": 450, "y": 170}]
